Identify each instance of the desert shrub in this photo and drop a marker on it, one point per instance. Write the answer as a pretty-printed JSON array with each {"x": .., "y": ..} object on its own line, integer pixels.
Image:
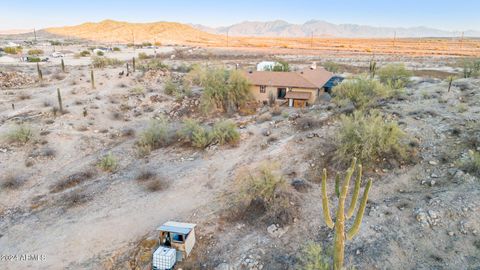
[
  {"x": 195, "y": 134},
  {"x": 472, "y": 163},
  {"x": 313, "y": 257},
  {"x": 370, "y": 138},
  {"x": 225, "y": 132},
  {"x": 146, "y": 44},
  {"x": 35, "y": 52},
  {"x": 33, "y": 59},
  {"x": 462, "y": 107},
  {"x": 142, "y": 56},
  {"x": 75, "y": 198},
  {"x": 154, "y": 136},
  {"x": 20, "y": 134},
  {"x": 84, "y": 53},
  {"x": 331, "y": 66},
  {"x": 171, "y": 88},
  {"x": 11, "y": 181},
  {"x": 395, "y": 76},
  {"x": 137, "y": 90},
  {"x": 100, "y": 53},
  {"x": 151, "y": 181},
  {"x": 151, "y": 64},
  {"x": 13, "y": 50},
  {"x": 362, "y": 92},
  {"x": 263, "y": 193},
  {"x": 470, "y": 67},
  {"x": 279, "y": 66},
  {"x": 224, "y": 90},
  {"x": 101, "y": 62},
  {"x": 116, "y": 49},
  {"x": 108, "y": 163}
]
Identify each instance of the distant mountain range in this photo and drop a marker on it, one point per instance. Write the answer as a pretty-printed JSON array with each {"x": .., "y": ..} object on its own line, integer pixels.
[{"x": 319, "y": 28}]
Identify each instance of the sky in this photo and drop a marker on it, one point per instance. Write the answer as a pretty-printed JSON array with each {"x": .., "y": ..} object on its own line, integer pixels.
[{"x": 450, "y": 15}]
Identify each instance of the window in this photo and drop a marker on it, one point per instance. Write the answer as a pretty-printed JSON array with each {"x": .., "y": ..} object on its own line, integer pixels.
[
  {"x": 177, "y": 237},
  {"x": 281, "y": 93},
  {"x": 263, "y": 89}
]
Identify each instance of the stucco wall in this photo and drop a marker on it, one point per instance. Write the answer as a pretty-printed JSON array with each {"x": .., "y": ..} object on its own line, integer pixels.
[{"x": 255, "y": 89}]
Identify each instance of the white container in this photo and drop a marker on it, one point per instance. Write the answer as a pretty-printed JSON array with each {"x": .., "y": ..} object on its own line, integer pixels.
[{"x": 164, "y": 258}]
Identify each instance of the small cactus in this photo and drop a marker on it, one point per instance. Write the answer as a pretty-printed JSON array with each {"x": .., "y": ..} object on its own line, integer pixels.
[
  {"x": 128, "y": 69},
  {"x": 63, "y": 66},
  {"x": 341, "y": 217},
  {"x": 373, "y": 68},
  {"x": 59, "y": 96},
  {"x": 133, "y": 64},
  {"x": 92, "y": 79},
  {"x": 450, "y": 82},
  {"x": 39, "y": 71}
]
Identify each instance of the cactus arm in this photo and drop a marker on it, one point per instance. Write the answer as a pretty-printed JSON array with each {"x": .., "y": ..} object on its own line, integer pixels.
[
  {"x": 92, "y": 78},
  {"x": 337, "y": 185},
  {"x": 326, "y": 209},
  {"x": 358, "y": 219},
  {"x": 356, "y": 191},
  {"x": 346, "y": 182}
]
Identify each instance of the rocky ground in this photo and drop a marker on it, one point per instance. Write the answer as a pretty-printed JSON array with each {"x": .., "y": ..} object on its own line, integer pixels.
[{"x": 423, "y": 214}]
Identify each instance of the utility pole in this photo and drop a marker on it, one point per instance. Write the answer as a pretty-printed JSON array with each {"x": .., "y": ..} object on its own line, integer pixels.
[
  {"x": 311, "y": 40},
  {"x": 461, "y": 40},
  {"x": 133, "y": 41},
  {"x": 228, "y": 30}
]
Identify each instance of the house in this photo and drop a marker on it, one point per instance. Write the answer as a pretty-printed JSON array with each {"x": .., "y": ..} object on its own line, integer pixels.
[{"x": 297, "y": 89}]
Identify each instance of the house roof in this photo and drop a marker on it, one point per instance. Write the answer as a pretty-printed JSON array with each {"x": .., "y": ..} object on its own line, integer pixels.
[
  {"x": 298, "y": 95},
  {"x": 302, "y": 79},
  {"x": 177, "y": 227}
]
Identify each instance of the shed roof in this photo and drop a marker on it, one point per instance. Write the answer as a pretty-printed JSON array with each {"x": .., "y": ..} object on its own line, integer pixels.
[
  {"x": 298, "y": 95},
  {"x": 177, "y": 227},
  {"x": 306, "y": 78}
]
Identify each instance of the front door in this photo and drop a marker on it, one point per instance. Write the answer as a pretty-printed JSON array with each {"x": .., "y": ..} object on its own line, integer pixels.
[
  {"x": 281, "y": 93},
  {"x": 298, "y": 103}
]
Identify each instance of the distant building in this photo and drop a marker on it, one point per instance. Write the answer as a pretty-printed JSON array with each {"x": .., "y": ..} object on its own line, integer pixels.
[
  {"x": 296, "y": 89},
  {"x": 266, "y": 65}
]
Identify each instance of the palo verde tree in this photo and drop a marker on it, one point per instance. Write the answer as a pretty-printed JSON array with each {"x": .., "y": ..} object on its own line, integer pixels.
[{"x": 339, "y": 226}]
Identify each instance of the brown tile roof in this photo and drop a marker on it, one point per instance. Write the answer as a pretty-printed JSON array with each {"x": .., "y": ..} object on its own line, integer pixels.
[
  {"x": 318, "y": 76},
  {"x": 302, "y": 79},
  {"x": 298, "y": 95}
]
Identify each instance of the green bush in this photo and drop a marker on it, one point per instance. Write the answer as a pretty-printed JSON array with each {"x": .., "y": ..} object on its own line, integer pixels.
[
  {"x": 33, "y": 59},
  {"x": 226, "y": 132},
  {"x": 472, "y": 163},
  {"x": 223, "y": 90},
  {"x": 362, "y": 92},
  {"x": 151, "y": 64},
  {"x": 108, "y": 163},
  {"x": 100, "y": 53},
  {"x": 20, "y": 134},
  {"x": 35, "y": 52},
  {"x": 313, "y": 257},
  {"x": 116, "y": 49},
  {"x": 331, "y": 66},
  {"x": 13, "y": 50},
  {"x": 395, "y": 76},
  {"x": 146, "y": 44},
  {"x": 470, "y": 67},
  {"x": 84, "y": 53},
  {"x": 142, "y": 56},
  {"x": 370, "y": 138},
  {"x": 278, "y": 67},
  {"x": 171, "y": 88},
  {"x": 155, "y": 136},
  {"x": 102, "y": 62}
]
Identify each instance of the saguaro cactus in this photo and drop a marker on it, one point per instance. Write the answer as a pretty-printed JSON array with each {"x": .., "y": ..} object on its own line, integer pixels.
[
  {"x": 63, "y": 66},
  {"x": 341, "y": 217},
  {"x": 92, "y": 79},
  {"x": 59, "y": 96},
  {"x": 39, "y": 71},
  {"x": 133, "y": 64},
  {"x": 373, "y": 68},
  {"x": 450, "y": 82}
]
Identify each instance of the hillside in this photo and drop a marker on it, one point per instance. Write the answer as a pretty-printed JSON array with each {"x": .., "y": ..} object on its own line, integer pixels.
[
  {"x": 320, "y": 28},
  {"x": 115, "y": 31}
]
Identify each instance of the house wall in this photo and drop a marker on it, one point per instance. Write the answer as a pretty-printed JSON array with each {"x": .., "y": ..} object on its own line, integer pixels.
[{"x": 261, "y": 97}]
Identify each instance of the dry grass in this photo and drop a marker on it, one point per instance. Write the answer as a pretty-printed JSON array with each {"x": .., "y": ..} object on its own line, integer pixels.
[
  {"x": 11, "y": 181},
  {"x": 151, "y": 181}
]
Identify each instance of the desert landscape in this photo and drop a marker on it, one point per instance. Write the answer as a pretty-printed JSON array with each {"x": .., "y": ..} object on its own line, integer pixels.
[{"x": 110, "y": 129}]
